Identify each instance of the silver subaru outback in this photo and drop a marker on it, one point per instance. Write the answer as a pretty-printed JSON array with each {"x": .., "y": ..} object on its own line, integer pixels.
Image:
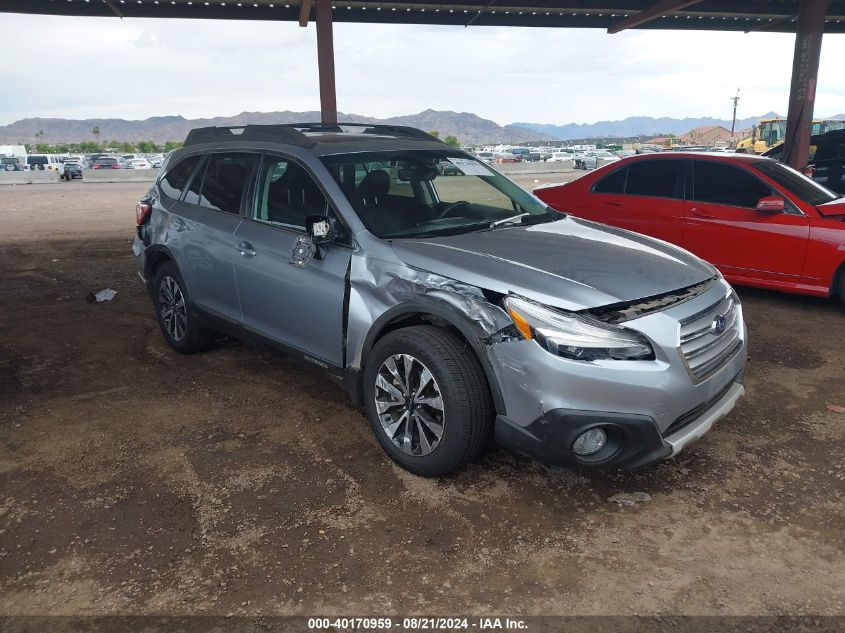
[{"x": 457, "y": 309}]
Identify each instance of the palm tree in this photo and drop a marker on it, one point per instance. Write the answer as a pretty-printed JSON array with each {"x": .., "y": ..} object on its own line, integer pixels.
[
  {"x": 96, "y": 132},
  {"x": 39, "y": 135}
]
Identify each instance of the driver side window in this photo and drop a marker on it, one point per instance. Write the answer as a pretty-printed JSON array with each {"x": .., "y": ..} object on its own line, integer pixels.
[{"x": 286, "y": 194}]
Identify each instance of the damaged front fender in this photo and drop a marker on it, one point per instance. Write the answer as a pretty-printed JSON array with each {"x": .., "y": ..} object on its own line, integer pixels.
[{"x": 381, "y": 292}]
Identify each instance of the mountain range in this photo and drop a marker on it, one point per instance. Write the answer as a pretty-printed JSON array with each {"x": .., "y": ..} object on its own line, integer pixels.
[
  {"x": 469, "y": 128},
  {"x": 641, "y": 126}
]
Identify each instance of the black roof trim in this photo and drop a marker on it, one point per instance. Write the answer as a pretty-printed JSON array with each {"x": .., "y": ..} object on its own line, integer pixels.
[
  {"x": 271, "y": 133},
  {"x": 294, "y": 133},
  {"x": 367, "y": 128}
]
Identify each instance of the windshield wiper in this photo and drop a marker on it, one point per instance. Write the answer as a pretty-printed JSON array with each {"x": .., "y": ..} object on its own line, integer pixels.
[
  {"x": 507, "y": 220},
  {"x": 529, "y": 218}
]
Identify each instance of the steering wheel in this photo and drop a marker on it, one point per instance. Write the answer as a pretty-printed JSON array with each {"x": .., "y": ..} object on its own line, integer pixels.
[{"x": 454, "y": 205}]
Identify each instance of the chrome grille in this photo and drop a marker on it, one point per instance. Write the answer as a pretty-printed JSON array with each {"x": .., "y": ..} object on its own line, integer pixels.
[{"x": 704, "y": 350}]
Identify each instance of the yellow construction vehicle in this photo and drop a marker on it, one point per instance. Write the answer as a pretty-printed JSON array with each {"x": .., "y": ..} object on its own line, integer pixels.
[{"x": 771, "y": 132}]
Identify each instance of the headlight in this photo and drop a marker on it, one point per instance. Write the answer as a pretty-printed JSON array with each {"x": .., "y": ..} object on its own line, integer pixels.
[{"x": 576, "y": 337}]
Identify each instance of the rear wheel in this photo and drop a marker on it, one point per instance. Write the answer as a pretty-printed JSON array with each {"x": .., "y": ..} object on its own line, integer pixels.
[
  {"x": 427, "y": 400},
  {"x": 175, "y": 315}
]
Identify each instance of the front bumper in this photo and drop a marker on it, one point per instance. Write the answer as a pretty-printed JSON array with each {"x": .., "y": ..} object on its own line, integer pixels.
[
  {"x": 634, "y": 440},
  {"x": 652, "y": 409}
]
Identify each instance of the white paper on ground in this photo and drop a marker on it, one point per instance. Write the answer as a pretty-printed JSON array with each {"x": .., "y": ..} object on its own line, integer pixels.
[{"x": 105, "y": 295}]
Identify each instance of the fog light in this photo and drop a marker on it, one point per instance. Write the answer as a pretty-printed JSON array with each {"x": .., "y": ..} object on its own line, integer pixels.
[{"x": 590, "y": 442}]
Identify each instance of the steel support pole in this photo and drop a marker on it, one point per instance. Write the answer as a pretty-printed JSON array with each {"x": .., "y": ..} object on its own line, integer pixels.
[
  {"x": 325, "y": 62},
  {"x": 802, "y": 91}
]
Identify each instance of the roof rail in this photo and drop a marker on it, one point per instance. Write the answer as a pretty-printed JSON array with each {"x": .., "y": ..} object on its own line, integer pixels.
[
  {"x": 369, "y": 128},
  {"x": 285, "y": 134}
]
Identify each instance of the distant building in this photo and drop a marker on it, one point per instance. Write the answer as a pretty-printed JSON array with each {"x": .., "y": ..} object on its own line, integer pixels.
[{"x": 708, "y": 135}]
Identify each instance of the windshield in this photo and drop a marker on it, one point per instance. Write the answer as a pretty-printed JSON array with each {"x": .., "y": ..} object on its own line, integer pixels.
[
  {"x": 795, "y": 182},
  {"x": 403, "y": 194}
]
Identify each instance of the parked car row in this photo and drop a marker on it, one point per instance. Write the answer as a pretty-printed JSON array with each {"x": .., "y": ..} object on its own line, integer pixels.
[
  {"x": 40, "y": 162},
  {"x": 580, "y": 158}
]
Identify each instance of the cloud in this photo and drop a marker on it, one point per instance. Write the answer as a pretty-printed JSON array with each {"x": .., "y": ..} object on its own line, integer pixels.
[{"x": 134, "y": 68}]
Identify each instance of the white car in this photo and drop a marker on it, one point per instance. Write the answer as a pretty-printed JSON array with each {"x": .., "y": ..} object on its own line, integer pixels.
[
  {"x": 592, "y": 160},
  {"x": 561, "y": 157},
  {"x": 138, "y": 163}
]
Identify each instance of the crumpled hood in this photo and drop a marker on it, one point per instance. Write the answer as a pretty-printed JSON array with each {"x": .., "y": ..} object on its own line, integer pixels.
[{"x": 572, "y": 264}]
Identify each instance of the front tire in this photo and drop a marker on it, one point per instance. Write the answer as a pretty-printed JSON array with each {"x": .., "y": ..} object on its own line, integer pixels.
[
  {"x": 427, "y": 400},
  {"x": 175, "y": 312}
]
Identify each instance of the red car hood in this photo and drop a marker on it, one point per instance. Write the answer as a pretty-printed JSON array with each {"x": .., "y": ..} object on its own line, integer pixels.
[{"x": 834, "y": 208}]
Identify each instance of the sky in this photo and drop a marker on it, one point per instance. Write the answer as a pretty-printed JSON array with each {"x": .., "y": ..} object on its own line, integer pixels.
[{"x": 136, "y": 68}]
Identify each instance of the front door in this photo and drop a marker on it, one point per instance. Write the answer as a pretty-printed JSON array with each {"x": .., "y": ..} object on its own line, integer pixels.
[
  {"x": 722, "y": 225},
  {"x": 298, "y": 307}
]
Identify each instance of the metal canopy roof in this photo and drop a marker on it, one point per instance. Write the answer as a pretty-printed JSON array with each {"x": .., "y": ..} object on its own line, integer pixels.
[{"x": 715, "y": 15}]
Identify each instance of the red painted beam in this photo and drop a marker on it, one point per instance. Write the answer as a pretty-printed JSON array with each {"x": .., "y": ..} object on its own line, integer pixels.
[
  {"x": 802, "y": 90},
  {"x": 325, "y": 62},
  {"x": 647, "y": 15}
]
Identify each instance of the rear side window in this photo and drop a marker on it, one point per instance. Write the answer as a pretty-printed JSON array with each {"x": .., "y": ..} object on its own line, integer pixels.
[
  {"x": 614, "y": 182},
  {"x": 718, "y": 183},
  {"x": 174, "y": 181},
  {"x": 655, "y": 178},
  {"x": 225, "y": 179}
]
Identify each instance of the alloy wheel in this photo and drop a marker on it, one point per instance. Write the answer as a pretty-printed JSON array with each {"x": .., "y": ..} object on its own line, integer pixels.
[
  {"x": 174, "y": 313},
  {"x": 409, "y": 405}
]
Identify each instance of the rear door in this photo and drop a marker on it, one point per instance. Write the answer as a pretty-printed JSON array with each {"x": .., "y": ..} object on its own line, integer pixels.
[
  {"x": 203, "y": 229},
  {"x": 299, "y": 307},
  {"x": 645, "y": 196},
  {"x": 722, "y": 225}
]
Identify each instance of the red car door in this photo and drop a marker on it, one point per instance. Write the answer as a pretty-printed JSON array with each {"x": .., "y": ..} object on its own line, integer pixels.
[
  {"x": 645, "y": 196},
  {"x": 722, "y": 225}
]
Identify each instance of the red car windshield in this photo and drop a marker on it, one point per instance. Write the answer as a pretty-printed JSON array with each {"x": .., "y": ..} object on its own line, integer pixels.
[{"x": 796, "y": 183}]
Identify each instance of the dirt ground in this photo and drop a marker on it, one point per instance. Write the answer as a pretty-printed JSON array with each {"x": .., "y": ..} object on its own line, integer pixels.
[{"x": 134, "y": 480}]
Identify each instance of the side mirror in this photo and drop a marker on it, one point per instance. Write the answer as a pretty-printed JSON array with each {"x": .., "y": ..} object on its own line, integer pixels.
[
  {"x": 320, "y": 228},
  {"x": 770, "y": 204}
]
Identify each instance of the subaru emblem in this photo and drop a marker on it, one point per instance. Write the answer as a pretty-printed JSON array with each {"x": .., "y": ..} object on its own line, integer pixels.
[{"x": 719, "y": 324}]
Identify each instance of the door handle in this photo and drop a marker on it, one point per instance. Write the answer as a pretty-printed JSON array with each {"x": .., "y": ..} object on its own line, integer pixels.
[
  {"x": 246, "y": 249},
  {"x": 614, "y": 202},
  {"x": 700, "y": 213}
]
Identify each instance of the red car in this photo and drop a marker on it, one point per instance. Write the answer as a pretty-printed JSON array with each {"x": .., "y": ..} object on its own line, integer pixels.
[{"x": 760, "y": 222}]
